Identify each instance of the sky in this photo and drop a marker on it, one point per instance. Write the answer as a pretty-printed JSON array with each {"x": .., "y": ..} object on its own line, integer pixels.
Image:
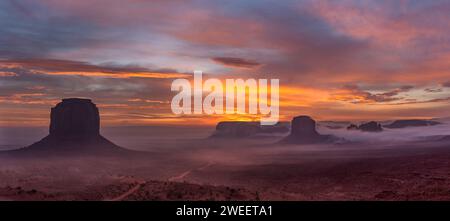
[{"x": 336, "y": 60}]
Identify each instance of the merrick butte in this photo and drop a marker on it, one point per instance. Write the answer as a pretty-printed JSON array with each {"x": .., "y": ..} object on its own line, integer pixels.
[{"x": 235, "y": 93}]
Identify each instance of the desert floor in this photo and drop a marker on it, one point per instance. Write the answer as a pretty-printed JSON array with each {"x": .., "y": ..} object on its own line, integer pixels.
[{"x": 197, "y": 168}]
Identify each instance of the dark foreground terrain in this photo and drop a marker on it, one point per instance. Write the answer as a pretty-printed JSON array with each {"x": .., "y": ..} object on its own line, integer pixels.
[
  {"x": 167, "y": 163},
  {"x": 251, "y": 169}
]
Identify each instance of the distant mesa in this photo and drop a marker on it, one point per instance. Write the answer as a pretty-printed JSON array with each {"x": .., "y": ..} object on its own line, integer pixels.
[
  {"x": 303, "y": 131},
  {"x": 236, "y": 129},
  {"x": 411, "y": 123},
  {"x": 245, "y": 129},
  {"x": 334, "y": 125},
  {"x": 74, "y": 128},
  {"x": 371, "y": 126},
  {"x": 353, "y": 127}
]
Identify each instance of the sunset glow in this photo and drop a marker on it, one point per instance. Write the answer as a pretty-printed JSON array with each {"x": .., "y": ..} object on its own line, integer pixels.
[{"x": 350, "y": 60}]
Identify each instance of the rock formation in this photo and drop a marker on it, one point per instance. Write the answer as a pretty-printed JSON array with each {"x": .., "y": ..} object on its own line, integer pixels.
[
  {"x": 411, "y": 123},
  {"x": 303, "y": 131},
  {"x": 241, "y": 129},
  {"x": 334, "y": 125},
  {"x": 371, "y": 126},
  {"x": 352, "y": 127},
  {"x": 75, "y": 119},
  {"x": 74, "y": 128}
]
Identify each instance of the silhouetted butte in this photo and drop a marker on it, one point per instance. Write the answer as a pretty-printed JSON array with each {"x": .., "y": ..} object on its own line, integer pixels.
[
  {"x": 411, "y": 123},
  {"x": 245, "y": 129},
  {"x": 74, "y": 128}
]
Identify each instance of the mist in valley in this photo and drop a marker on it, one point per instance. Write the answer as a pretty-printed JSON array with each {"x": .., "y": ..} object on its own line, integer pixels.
[{"x": 258, "y": 164}]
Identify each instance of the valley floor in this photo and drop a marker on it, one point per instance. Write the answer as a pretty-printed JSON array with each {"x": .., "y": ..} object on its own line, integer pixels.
[{"x": 245, "y": 170}]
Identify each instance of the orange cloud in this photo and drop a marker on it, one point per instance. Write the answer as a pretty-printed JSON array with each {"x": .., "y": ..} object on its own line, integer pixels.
[
  {"x": 66, "y": 67},
  {"x": 7, "y": 74},
  {"x": 27, "y": 98},
  {"x": 120, "y": 74}
]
